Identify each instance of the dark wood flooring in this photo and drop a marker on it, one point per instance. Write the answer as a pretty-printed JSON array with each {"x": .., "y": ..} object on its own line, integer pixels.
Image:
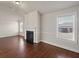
[{"x": 16, "y": 47}]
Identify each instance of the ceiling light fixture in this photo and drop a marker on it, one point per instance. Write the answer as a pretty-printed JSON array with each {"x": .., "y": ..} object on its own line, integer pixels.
[{"x": 17, "y": 2}]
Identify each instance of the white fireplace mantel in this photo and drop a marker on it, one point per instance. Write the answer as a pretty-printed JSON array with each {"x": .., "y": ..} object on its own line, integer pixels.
[{"x": 34, "y": 31}]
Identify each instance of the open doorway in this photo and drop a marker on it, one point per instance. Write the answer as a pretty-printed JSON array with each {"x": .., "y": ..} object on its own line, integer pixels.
[{"x": 21, "y": 28}]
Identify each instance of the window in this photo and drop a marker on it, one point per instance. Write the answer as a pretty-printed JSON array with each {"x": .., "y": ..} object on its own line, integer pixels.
[
  {"x": 21, "y": 26},
  {"x": 65, "y": 27}
]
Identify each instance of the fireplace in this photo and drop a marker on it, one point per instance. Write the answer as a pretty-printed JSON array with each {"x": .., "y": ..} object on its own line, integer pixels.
[{"x": 30, "y": 36}]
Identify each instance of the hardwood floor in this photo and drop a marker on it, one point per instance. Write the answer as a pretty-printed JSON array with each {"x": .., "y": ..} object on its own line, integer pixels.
[{"x": 16, "y": 47}]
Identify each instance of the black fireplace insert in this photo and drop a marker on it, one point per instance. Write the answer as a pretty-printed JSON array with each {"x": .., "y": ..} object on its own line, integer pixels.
[{"x": 30, "y": 36}]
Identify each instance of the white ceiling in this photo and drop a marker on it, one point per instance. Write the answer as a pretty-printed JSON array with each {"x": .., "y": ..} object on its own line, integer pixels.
[
  {"x": 41, "y": 6},
  {"x": 47, "y": 6}
]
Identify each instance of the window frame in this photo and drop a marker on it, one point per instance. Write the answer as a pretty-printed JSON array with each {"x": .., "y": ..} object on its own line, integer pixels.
[{"x": 74, "y": 26}]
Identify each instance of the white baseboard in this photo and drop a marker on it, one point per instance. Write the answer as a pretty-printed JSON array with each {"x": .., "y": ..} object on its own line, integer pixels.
[
  {"x": 8, "y": 35},
  {"x": 74, "y": 50}
]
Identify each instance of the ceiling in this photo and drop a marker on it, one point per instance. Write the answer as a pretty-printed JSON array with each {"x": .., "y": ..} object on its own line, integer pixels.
[
  {"x": 41, "y": 6},
  {"x": 47, "y": 6}
]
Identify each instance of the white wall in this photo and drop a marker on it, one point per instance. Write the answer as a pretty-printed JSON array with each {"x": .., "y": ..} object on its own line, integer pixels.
[
  {"x": 48, "y": 28},
  {"x": 8, "y": 22},
  {"x": 8, "y": 29}
]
